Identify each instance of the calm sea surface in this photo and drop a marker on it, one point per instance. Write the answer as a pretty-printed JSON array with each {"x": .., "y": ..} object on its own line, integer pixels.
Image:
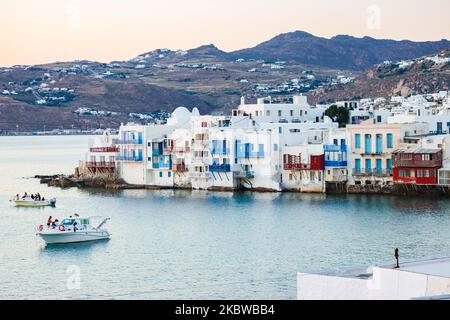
[{"x": 202, "y": 245}]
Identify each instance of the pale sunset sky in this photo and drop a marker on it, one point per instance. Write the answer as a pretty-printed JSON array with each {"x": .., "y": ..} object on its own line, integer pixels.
[{"x": 40, "y": 31}]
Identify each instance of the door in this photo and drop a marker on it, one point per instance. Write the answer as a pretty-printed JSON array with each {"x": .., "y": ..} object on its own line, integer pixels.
[
  {"x": 368, "y": 166},
  {"x": 379, "y": 165},
  {"x": 368, "y": 143},
  {"x": 379, "y": 144},
  {"x": 358, "y": 165}
]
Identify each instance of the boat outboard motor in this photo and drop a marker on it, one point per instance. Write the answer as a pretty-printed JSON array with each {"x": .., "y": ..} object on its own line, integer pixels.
[{"x": 53, "y": 202}]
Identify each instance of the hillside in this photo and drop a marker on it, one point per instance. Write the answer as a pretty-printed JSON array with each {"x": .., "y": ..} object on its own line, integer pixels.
[
  {"x": 340, "y": 52},
  {"x": 427, "y": 74}
]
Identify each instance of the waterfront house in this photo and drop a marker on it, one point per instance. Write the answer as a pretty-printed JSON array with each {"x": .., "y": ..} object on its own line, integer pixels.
[
  {"x": 335, "y": 157},
  {"x": 371, "y": 147},
  {"x": 417, "y": 166},
  {"x": 100, "y": 160}
]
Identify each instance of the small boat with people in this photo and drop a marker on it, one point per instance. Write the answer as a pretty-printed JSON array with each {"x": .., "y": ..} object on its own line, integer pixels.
[
  {"x": 33, "y": 200},
  {"x": 73, "y": 229}
]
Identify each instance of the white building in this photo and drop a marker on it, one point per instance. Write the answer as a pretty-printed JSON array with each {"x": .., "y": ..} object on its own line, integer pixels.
[
  {"x": 264, "y": 111},
  {"x": 428, "y": 279}
]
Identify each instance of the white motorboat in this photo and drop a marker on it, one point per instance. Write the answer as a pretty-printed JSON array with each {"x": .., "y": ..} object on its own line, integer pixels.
[
  {"x": 28, "y": 202},
  {"x": 72, "y": 230}
]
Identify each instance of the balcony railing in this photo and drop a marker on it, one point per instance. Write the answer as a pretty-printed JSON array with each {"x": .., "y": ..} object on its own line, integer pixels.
[
  {"x": 101, "y": 164},
  {"x": 335, "y": 148},
  {"x": 130, "y": 159},
  {"x": 332, "y": 163},
  {"x": 296, "y": 166},
  {"x": 220, "y": 168},
  {"x": 104, "y": 149},
  {"x": 402, "y": 163},
  {"x": 220, "y": 151},
  {"x": 372, "y": 172},
  {"x": 130, "y": 141},
  {"x": 161, "y": 165}
]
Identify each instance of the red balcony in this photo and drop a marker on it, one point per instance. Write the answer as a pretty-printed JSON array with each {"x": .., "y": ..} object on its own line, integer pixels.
[
  {"x": 100, "y": 165},
  {"x": 296, "y": 166},
  {"x": 292, "y": 162},
  {"x": 417, "y": 158},
  {"x": 104, "y": 149}
]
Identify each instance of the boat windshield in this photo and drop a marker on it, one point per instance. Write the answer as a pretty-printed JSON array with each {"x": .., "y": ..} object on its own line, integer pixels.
[{"x": 68, "y": 222}]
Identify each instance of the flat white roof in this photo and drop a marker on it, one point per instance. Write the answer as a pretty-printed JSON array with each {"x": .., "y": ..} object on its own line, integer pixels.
[{"x": 436, "y": 267}]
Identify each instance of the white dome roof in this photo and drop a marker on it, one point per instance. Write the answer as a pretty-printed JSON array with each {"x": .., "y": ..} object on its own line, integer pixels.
[
  {"x": 195, "y": 112},
  {"x": 181, "y": 115}
]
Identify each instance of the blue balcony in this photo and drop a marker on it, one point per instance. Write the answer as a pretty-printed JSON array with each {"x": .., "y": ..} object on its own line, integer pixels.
[
  {"x": 220, "y": 168},
  {"x": 130, "y": 158},
  {"x": 336, "y": 163},
  {"x": 138, "y": 141},
  {"x": 162, "y": 162},
  {"x": 220, "y": 151},
  {"x": 257, "y": 154},
  {"x": 243, "y": 151},
  {"x": 335, "y": 148}
]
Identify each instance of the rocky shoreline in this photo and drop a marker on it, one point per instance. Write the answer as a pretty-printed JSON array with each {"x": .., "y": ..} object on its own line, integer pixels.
[{"x": 110, "y": 183}]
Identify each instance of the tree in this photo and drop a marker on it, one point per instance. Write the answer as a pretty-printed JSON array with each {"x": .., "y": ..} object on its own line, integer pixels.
[{"x": 340, "y": 115}]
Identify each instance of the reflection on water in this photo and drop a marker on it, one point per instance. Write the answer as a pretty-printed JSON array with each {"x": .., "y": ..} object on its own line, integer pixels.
[
  {"x": 79, "y": 249},
  {"x": 175, "y": 244}
]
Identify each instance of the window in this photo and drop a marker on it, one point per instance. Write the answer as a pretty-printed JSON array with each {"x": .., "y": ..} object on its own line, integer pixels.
[
  {"x": 390, "y": 140},
  {"x": 292, "y": 113},
  {"x": 419, "y": 173},
  {"x": 280, "y": 130},
  {"x": 279, "y": 113},
  {"x": 290, "y": 177},
  {"x": 169, "y": 174},
  {"x": 389, "y": 164},
  {"x": 368, "y": 143},
  {"x": 358, "y": 165},
  {"x": 368, "y": 165},
  {"x": 275, "y": 147},
  {"x": 357, "y": 141},
  {"x": 268, "y": 113},
  {"x": 160, "y": 174},
  {"x": 378, "y": 118}
]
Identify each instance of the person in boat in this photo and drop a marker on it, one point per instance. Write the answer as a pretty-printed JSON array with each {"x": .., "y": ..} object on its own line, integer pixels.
[
  {"x": 55, "y": 223},
  {"x": 17, "y": 197},
  {"x": 25, "y": 195},
  {"x": 32, "y": 197},
  {"x": 49, "y": 222},
  {"x": 38, "y": 196}
]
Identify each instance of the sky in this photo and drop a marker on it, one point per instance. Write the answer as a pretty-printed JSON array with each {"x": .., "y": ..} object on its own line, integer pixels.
[{"x": 41, "y": 31}]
